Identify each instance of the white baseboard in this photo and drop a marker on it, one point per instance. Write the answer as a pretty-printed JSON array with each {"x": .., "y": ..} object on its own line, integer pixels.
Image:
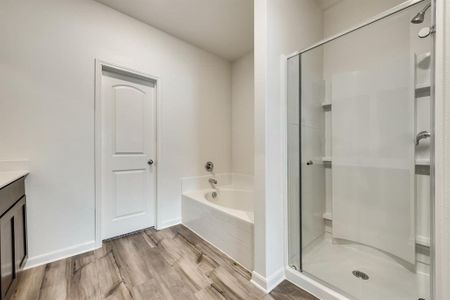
[
  {"x": 168, "y": 223},
  {"x": 267, "y": 284},
  {"x": 80, "y": 248},
  {"x": 311, "y": 286},
  {"x": 60, "y": 254}
]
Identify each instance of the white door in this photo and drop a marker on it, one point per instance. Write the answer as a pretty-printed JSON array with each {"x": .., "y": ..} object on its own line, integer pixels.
[{"x": 128, "y": 154}]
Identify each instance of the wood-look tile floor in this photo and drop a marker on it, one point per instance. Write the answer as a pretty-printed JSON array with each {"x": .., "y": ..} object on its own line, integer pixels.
[{"x": 173, "y": 263}]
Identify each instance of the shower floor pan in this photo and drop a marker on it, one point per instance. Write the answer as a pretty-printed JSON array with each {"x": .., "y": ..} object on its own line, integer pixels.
[{"x": 335, "y": 263}]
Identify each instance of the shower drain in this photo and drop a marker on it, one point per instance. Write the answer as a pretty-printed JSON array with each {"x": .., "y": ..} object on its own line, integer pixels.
[{"x": 360, "y": 275}]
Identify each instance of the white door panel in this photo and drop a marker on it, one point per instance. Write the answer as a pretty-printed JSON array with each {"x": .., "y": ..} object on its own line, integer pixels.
[
  {"x": 128, "y": 143},
  {"x": 130, "y": 193},
  {"x": 129, "y": 113}
]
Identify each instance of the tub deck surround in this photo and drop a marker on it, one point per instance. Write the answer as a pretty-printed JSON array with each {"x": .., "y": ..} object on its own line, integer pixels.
[
  {"x": 204, "y": 196},
  {"x": 230, "y": 230},
  {"x": 225, "y": 221},
  {"x": 173, "y": 263}
]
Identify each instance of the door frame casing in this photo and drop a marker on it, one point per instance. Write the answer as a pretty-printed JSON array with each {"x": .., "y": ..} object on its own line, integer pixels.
[
  {"x": 100, "y": 66},
  {"x": 440, "y": 255}
]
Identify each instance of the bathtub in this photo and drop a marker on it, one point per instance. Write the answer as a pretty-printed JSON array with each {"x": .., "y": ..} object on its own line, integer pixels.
[{"x": 225, "y": 221}]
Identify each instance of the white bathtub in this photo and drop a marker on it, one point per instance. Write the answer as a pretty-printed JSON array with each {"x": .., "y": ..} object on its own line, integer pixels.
[{"x": 226, "y": 221}]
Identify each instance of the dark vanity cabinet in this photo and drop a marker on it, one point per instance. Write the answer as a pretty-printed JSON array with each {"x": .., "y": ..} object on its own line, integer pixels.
[{"x": 13, "y": 235}]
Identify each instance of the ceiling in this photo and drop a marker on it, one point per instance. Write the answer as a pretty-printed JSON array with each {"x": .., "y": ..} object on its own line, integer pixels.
[{"x": 223, "y": 27}]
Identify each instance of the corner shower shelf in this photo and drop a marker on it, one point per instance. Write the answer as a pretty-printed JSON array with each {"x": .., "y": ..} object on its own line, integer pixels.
[
  {"x": 423, "y": 89},
  {"x": 326, "y": 106},
  {"x": 419, "y": 161},
  {"x": 422, "y": 162},
  {"x": 420, "y": 239},
  {"x": 326, "y": 159},
  {"x": 423, "y": 241},
  {"x": 327, "y": 216}
]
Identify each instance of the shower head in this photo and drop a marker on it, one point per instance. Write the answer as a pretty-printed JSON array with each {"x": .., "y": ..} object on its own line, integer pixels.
[{"x": 418, "y": 19}]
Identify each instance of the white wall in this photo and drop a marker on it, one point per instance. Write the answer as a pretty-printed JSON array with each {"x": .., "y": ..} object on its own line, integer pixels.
[
  {"x": 47, "y": 110},
  {"x": 281, "y": 27},
  {"x": 242, "y": 122},
  {"x": 347, "y": 13}
]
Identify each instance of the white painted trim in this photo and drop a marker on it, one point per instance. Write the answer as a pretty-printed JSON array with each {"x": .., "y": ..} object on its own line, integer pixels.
[
  {"x": 168, "y": 223},
  {"x": 99, "y": 65},
  {"x": 284, "y": 158},
  {"x": 440, "y": 252},
  {"x": 267, "y": 284},
  {"x": 313, "y": 287},
  {"x": 60, "y": 254},
  {"x": 259, "y": 281}
]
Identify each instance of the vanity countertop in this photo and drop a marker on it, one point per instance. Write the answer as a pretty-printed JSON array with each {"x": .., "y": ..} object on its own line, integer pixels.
[{"x": 9, "y": 176}]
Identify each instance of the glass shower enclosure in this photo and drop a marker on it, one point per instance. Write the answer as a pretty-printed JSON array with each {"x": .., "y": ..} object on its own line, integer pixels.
[{"x": 358, "y": 154}]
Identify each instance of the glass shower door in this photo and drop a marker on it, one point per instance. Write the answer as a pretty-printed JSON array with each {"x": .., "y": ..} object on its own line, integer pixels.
[{"x": 355, "y": 106}]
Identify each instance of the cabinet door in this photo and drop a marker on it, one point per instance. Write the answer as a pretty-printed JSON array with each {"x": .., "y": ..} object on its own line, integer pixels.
[
  {"x": 20, "y": 233},
  {"x": 7, "y": 248}
]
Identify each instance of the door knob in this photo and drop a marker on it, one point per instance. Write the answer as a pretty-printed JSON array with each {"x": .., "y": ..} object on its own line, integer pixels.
[{"x": 150, "y": 162}]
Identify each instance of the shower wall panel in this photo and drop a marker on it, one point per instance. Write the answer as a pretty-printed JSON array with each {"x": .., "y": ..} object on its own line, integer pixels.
[
  {"x": 373, "y": 156},
  {"x": 373, "y": 130}
]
